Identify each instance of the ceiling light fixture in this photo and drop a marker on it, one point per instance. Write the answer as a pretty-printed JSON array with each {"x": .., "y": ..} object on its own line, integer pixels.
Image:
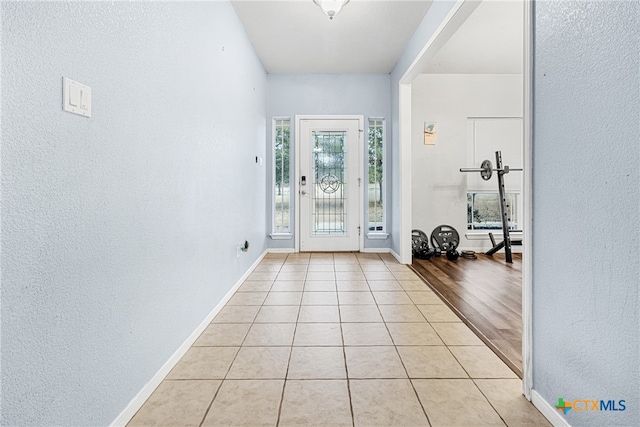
[{"x": 331, "y": 7}]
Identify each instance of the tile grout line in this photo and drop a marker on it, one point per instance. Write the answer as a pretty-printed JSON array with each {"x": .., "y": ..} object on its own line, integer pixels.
[
  {"x": 344, "y": 358},
  {"x": 295, "y": 329},
  {"x": 489, "y": 401},
  {"x": 476, "y": 385},
  {"x": 237, "y": 352},
  {"x": 459, "y": 363},
  {"x": 395, "y": 346}
]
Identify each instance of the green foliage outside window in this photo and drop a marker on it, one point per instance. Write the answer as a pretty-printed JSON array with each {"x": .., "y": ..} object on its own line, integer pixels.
[
  {"x": 282, "y": 148},
  {"x": 376, "y": 174}
]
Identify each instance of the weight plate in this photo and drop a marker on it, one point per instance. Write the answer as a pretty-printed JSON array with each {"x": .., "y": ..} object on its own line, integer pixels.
[
  {"x": 487, "y": 170},
  {"x": 468, "y": 254},
  {"x": 445, "y": 238},
  {"x": 420, "y": 244}
]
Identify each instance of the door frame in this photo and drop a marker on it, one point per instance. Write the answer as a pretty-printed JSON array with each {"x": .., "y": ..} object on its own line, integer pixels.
[
  {"x": 450, "y": 24},
  {"x": 296, "y": 145}
]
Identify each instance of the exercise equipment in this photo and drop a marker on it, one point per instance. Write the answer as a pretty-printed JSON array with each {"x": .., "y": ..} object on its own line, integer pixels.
[
  {"x": 453, "y": 255},
  {"x": 445, "y": 238},
  {"x": 468, "y": 255},
  {"x": 420, "y": 245},
  {"x": 486, "y": 172}
]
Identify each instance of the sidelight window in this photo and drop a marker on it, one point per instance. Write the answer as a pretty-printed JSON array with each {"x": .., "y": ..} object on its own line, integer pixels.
[{"x": 281, "y": 182}]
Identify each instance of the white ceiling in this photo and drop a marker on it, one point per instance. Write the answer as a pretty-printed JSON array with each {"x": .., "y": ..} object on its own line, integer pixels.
[
  {"x": 367, "y": 36},
  {"x": 490, "y": 41}
]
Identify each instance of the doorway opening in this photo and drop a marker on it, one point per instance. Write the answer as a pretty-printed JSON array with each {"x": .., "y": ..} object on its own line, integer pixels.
[{"x": 465, "y": 97}]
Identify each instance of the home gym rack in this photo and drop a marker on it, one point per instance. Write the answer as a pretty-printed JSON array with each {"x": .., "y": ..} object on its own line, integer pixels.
[{"x": 486, "y": 171}]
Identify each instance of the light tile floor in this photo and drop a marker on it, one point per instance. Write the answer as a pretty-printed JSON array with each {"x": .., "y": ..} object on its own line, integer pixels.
[{"x": 332, "y": 340}]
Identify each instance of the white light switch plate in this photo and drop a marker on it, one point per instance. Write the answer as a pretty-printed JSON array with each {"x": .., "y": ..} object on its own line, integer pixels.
[{"x": 76, "y": 97}]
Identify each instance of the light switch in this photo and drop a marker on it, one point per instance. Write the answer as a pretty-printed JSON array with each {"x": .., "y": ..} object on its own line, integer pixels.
[
  {"x": 85, "y": 100},
  {"x": 76, "y": 97}
]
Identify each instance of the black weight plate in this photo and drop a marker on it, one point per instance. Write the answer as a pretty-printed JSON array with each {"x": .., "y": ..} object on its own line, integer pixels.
[
  {"x": 487, "y": 170},
  {"x": 445, "y": 238},
  {"x": 419, "y": 244}
]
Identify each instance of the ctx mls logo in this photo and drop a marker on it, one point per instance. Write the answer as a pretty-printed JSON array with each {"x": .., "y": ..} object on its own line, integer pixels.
[{"x": 590, "y": 405}]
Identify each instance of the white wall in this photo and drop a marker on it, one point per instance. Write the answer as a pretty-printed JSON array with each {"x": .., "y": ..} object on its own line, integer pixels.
[
  {"x": 439, "y": 189},
  {"x": 586, "y": 207},
  {"x": 326, "y": 94},
  {"x": 119, "y": 231}
]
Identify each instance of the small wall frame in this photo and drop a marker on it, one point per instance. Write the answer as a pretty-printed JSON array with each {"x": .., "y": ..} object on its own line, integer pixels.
[{"x": 430, "y": 133}]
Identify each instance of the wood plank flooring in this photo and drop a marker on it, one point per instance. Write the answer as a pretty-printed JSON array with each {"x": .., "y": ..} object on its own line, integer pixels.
[{"x": 487, "y": 294}]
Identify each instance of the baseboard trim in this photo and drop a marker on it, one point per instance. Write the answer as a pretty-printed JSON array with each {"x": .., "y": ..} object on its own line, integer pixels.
[
  {"x": 136, "y": 403},
  {"x": 395, "y": 255},
  {"x": 514, "y": 249},
  {"x": 375, "y": 250},
  {"x": 547, "y": 409},
  {"x": 281, "y": 250}
]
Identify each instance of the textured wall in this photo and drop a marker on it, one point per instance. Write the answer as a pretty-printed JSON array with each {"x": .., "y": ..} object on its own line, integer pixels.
[
  {"x": 439, "y": 190},
  {"x": 326, "y": 94},
  {"x": 586, "y": 206},
  {"x": 119, "y": 232}
]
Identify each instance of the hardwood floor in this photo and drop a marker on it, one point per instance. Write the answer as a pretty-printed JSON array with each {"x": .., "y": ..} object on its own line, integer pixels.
[{"x": 487, "y": 295}]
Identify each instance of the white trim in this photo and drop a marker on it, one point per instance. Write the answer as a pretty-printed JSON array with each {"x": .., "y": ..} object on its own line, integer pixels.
[
  {"x": 548, "y": 410},
  {"x": 281, "y": 250},
  {"x": 436, "y": 41},
  {"x": 281, "y": 236},
  {"x": 404, "y": 136},
  {"x": 296, "y": 189},
  {"x": 136, "y": 403},
  {"x": 485, "y": 248},
  {"x": 375, "y": 250},
  {"x": 527, "y": 189},
  {"x": 296, "y": 184},
  {"x": 395, "y": 254},
  {"x": 484, "y": 235},
  {"x": 377, "y": 236},
  {"x": 365, "y": 179},
  {"x": 273, "y": 171}
]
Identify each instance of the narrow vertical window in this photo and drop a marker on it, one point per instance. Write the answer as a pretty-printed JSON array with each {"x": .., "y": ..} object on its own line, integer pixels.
[
  {"x": 375, "y": 193},
  {"x": 281, "y": 191}
]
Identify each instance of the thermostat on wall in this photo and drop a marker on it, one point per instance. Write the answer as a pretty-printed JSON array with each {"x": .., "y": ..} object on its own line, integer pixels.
[{"x": 76, "y": 97}]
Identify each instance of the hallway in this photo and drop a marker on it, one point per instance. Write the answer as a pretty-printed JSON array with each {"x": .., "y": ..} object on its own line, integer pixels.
[{"x": 337, "y": 339}]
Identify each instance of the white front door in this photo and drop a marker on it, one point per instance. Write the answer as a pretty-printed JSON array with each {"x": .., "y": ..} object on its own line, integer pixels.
[{"x": 329, "y": 180}]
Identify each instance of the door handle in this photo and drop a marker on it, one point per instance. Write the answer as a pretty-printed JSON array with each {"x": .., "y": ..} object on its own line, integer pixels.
[{"x": 303, "y": 192}]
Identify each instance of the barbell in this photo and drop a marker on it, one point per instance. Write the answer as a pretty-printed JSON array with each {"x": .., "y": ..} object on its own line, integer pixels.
[{"x": 486, "y": 170}]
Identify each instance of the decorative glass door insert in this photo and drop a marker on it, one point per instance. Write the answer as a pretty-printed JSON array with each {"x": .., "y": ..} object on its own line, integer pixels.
[
  {"x": 328, "y": 181},
  {"x": 328, "y": 185}
]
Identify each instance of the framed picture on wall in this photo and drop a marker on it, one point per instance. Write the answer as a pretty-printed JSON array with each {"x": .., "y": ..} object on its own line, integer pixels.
[{"x": 430, "y": 132}]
